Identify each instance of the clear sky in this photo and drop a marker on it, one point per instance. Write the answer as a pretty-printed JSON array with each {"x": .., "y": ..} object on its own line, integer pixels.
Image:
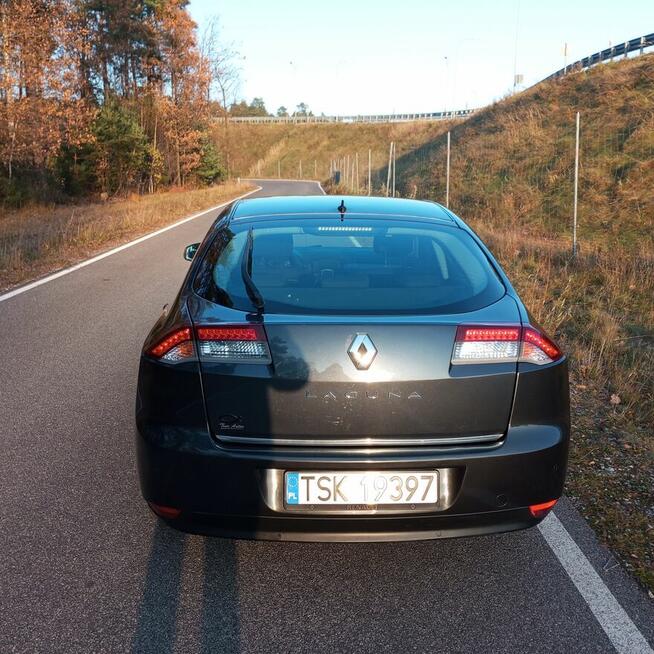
[{"x": 384, "y": 56}]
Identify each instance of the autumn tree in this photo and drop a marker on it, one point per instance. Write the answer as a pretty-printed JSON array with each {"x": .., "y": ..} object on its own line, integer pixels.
[{"x": 106, "y": 95}]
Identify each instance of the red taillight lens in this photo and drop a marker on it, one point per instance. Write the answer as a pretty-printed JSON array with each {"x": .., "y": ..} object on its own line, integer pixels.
[
  {"x": 175, "y": 346},
  {"x": 483, "y": 344},
  {"x": 503, "y": 344},
  {"x": 541, "y": 510},
  {"x": 162, "y": 511},
  {"x": 537, "y": 348},
  {"x": 483, "y": 334},
  {"x": 229, "y": 334},
  {"x": 233, "y": 344},
  {"x": 223, "y": 344}
]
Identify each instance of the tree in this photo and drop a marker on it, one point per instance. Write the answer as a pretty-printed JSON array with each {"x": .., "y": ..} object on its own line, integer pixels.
[
  {"x": 282, "y": 112},
  {"x": 41, "y": 109},
  {"x": 222, "y": 64},
  {"x": 211, "y": 169},
  {"x": 121, "y": 154},
  {"x": 112, "y": 95},
  {"x": 302, "y": 110},
  {"x": 258, "y": 107},
  {"x": 240, "y": 108}
]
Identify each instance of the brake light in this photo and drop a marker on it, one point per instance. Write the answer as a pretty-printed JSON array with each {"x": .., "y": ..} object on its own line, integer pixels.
[
  {"x": 541, "y": 510},
  {"x": 233, "y": 344},
  {"x": 175, "y": 346},
  {"x": 503, "y": 344}
]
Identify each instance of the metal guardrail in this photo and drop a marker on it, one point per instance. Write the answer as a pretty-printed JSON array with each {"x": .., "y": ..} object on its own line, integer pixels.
[
  {"x": 381, "y": 118},
  {"x": 623, "y": 49}
]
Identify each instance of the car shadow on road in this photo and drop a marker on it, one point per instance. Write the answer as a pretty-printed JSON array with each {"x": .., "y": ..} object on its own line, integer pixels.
[{"x": 157, "y": 628}]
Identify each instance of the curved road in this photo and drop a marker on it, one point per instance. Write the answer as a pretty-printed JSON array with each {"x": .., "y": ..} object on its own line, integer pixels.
[{"x": 85, "y": 567}]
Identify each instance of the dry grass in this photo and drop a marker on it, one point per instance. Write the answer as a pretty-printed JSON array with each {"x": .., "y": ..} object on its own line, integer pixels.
[
  {"x": 268, "y": 150},
  {"x": 601, "y": 308},
  {"x": 512, "y": 164},
  {"x": 512, "y": 181},
  {"x": 37, "y": 240}
]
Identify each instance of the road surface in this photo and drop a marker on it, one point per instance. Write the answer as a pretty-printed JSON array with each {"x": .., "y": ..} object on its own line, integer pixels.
[{"x": 85, "y": 567}]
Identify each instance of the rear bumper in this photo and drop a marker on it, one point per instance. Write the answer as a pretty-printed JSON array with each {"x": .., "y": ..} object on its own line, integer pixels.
[
  {"x": 227, "y": 492},
  {"x": 376, "y": 529}
]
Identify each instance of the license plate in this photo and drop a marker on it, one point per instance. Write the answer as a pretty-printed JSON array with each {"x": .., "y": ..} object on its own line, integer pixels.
[{"x": 361, "y": 488}]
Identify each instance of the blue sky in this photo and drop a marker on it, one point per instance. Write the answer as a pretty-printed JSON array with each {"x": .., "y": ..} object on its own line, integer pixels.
[{"x": 363, "y": 56}]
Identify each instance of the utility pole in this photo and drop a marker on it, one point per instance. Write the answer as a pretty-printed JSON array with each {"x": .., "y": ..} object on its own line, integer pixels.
[
  {"x": 447, "y": 174},
  {"x": 576, "y": 191},
  {"x": 300, "y": 168}
]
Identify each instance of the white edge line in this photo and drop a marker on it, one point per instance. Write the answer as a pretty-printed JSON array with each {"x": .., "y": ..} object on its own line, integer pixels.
[
  {"x": 618, "y": 626},
  {"x": 120, "y": 248}
]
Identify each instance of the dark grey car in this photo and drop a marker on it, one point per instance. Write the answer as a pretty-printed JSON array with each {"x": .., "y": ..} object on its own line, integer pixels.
[{"x": 349, "y": 369}]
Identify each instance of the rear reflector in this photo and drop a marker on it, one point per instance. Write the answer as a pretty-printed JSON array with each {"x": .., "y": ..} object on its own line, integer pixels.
[
  {"x": 541, "y": 510},
  {"x": 167, "y": 512},
  {"x": 505, "y": 344},
  {"x": 233, "y": 344}
]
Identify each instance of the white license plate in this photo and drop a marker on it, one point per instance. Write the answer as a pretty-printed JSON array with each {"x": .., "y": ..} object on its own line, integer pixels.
[{"x": 369, "y": 488}]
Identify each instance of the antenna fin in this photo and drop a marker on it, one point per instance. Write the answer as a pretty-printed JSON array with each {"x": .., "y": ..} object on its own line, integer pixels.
[{"x": 342, "y": 209}]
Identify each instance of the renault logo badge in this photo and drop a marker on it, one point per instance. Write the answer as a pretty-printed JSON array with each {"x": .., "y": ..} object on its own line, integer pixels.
[{"x": 362, "y": 351}]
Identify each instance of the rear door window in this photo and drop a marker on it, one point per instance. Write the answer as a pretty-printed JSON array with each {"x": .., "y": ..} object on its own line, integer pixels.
[{"x": 360, "y": 266}]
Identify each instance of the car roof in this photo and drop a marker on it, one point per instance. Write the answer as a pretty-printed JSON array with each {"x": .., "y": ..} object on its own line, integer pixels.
[{"x": 323, "y": 205}]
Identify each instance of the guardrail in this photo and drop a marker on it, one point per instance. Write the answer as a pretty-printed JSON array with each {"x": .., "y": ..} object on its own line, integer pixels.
[
  {"x": 639, "y": 44},
  {"x": 381, "y": 118},
  {"x": 623, "y": 49}
]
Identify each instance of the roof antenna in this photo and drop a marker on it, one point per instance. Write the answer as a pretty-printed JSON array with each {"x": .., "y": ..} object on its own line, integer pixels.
[{"x": 342, "y": 209}]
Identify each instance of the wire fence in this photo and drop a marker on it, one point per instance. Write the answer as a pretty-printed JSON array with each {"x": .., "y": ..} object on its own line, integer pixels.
[{"x": 521, "y": 174}]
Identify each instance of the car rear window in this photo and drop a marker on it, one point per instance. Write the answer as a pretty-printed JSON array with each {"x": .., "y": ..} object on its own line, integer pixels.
[{"x": 359, "y": 266}]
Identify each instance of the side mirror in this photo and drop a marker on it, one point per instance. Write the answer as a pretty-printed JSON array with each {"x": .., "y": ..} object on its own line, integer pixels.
[{"x": 190, "y": 250}]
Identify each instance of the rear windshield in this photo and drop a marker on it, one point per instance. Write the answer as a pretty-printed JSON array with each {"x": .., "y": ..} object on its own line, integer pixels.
[{"x": 360, "y": 266}]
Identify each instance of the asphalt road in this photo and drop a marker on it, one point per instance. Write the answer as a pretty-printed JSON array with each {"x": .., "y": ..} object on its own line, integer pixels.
[{"x": 85, "y": 567}]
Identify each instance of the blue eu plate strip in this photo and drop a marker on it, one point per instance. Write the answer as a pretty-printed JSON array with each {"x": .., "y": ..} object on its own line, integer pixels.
[{"x": 292, "y": 487}]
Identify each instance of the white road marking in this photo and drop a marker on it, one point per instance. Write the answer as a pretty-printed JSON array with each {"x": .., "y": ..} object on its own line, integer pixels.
[
  {"x": 618, "y": 626},
  {"x": 356, "y": 243},
  {"x": 120, "y": 248}
]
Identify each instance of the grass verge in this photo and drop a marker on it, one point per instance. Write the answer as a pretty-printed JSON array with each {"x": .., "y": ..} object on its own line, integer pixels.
[
  {"x": 599, "y": 306},
  {"x": 38, "y": 240}
]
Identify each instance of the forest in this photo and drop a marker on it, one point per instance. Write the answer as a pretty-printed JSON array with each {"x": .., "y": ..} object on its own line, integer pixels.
[{"x": 108, "y": 97}]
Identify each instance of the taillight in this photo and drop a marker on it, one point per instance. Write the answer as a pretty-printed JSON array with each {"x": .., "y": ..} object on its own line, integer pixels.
[
  {"x": 223, "y": 344},
  {"x": 175, "y": 346},
  {"x": 233, "y": 344},
  {"x": 503, "y": 344},
  {"x": 537, "y": 348}
]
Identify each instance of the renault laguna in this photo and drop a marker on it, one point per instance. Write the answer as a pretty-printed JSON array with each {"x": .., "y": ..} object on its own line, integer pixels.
[{"x": 349, "y": 369}]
